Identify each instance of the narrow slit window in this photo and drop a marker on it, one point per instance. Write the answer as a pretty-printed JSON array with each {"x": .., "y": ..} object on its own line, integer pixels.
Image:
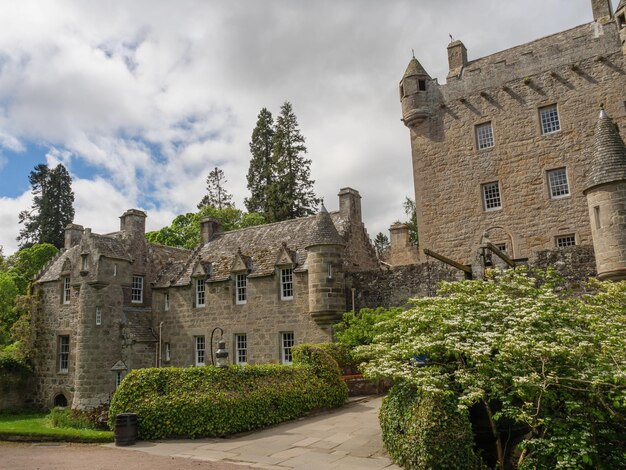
[
  {"x": 241, "y": 348},
  {"x": 66, "y": 290},
  {"x": 200, "y": 293},
  {"x": 98, "y": 315},
  {"x": 596, "y": 216},
  {"x": 64, "y": 353}
]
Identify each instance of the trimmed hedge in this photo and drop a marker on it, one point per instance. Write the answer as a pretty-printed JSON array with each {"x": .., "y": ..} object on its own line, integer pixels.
[
  {"x": 342, "y": 355},
  {"x": 210, "y": 402},
  {"x": 426, "y": 430}
]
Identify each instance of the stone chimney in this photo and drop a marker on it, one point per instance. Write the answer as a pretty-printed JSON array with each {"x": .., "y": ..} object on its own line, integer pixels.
[
  {"x": 457, "y": 58},
  {"x": 350, "y": 204},
  {"x": 402, "y": 251},
  {"x": 602, "y": 10},
  {"x": 73, "y": 234},
  {"x": 133, "y": 222},
  {"x": 209, "y": 226}
]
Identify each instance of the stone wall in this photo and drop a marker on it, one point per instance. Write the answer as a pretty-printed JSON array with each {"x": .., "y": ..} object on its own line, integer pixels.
[
  {"x": 575, "y": 263},
  {"x": 17, "y": 390},
  {"x": 576, "y": 70}
]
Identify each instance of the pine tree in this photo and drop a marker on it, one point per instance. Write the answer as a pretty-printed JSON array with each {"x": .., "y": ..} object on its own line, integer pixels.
[
  {"x": 381, "y": 242},
  {"x": 52, "y": 209},
  {"x": 216, "y": 196},
  {"x": 261, "y": 172},
  {"x": 291, "y": 195}
]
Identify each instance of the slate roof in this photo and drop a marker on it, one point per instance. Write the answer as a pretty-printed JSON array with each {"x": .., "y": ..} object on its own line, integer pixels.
[
  {"x": 415, "y": 68},
  {"x": 52, "y": 271},
  {"x": 608, "y": 163},
  {"x": 263, "y": 244}
]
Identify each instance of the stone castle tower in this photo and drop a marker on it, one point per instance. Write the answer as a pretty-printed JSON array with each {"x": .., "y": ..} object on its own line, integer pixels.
[
  {"x": 502, "y": 150},
  {"x": 606, "y": 197}
]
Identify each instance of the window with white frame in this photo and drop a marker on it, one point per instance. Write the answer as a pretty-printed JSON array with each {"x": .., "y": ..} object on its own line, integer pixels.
[
  {"x": 200, "y": 350},
  {"x": 168, "y": 352},
  {"x": 557, "y": 182},
  {"x": 98, "y": 315},
  {"x": 241, "y": 348},
  {"x": 200, "y": 293},
  {"x": 241, "y": 286},
  {"x": 491, "y": 196},
  {"x": 564, "y": 241},
  {"x": 484, "y": 136},
  {"x": 286, "y": 284},
  {"x": 136, "y": 292},
  {"x": 549, "y": 117},
  {"x": 166, "y": 301},
  {"x": 64, "y": 353},
  {"x": 119, "y": 376},
  {"x": 287, "y": 341},
  {"x": 66, "y": 290},
  {"x": 501, "y": 247}
]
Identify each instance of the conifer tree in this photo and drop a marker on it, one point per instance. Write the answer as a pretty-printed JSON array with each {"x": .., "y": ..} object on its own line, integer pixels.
[
  {"x": 291, "y": 195},
  {"x": 52, "y": 209},
  {"x": 261, "y": 171},
  {"x": 216, "y": 196}
]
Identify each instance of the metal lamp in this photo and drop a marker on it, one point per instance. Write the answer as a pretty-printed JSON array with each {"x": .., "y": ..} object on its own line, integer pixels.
[{"x": 221, "y": 355}]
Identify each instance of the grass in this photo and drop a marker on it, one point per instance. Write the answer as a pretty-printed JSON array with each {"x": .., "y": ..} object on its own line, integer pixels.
[{"x": 31, "y": 426}]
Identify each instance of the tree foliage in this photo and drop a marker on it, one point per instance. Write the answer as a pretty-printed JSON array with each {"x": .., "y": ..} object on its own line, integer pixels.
[
  {"x": 184, "y": 231},
  {"x": 381, "y": 242},
  {"x": 217, "y": 195},
  {"x": 52, "y": 208},
  {"x": 411, "y": 212},
  {"x": 261, "y": 171},
  {"x": 555, "y": 362}
]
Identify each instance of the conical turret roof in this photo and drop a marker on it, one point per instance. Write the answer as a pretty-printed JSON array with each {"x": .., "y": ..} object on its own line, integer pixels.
[
  {"x": 324, "y": 231},
  {"x": 608, "y": 163},
  {"x": 415, "y": 68}
]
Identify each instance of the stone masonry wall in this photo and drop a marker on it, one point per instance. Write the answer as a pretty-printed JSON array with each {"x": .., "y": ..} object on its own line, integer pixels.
[
  {"x": 577, "y": 70},
  {"x": 17, "y": 390},
  {"x": 262, "y": 318}
]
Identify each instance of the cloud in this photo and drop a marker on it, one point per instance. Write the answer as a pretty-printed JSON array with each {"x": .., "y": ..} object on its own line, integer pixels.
[{"x": 9, "y": 211}]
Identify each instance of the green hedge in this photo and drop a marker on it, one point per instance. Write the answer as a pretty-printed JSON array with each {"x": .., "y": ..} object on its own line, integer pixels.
[
  {"x": 208, "y": 401},
  {"x": 342, "y": 355},
  {"x": 426, "y": 431}
]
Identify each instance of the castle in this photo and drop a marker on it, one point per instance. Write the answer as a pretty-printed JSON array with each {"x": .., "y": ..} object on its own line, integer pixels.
[
  {"x": 504, "y": 151},
  {"x": 513, "y": 162}
]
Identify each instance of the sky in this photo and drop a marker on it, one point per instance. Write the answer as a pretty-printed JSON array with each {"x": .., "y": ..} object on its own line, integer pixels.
[{"x": 141, "y": 99}]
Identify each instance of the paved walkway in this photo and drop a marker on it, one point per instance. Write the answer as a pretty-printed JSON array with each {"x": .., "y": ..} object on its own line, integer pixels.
[{"x": 345, "y": 439}]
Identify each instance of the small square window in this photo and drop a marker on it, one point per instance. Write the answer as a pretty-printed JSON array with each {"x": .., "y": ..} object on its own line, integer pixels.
[
  {"x": 549, "y": 117},
  {"x": 286, "y": 284},
  {"x": 200, "y": 350},
  {"x": 491, "y": 196},
  {"x": 287, "y": 340},
  {"x": 136, "y": 294},
  {"x": 565, "y": 241},
  {"x": 200, "y": 293},
  {"x": 501, "y": 247},
  {"x": 241, "y": 348},
  {"x": 484, "y": 136},
  {"x": 241, "y": 285},
  {"x": 557, "y": 182}
]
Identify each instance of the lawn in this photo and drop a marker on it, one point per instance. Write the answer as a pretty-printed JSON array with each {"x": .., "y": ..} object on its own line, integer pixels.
[{"x": 38, "y": 427}]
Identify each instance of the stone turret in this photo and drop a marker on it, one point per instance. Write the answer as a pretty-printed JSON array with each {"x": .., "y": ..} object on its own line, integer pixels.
[
  {"x": 325, "y": 271},
  {"x": 606, "y": 198},
  {"x": 414, "y": 94}
]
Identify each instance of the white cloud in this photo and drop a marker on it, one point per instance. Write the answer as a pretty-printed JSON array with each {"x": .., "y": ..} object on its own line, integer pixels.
[
  {"x": 9, "y": 211},
  {"x": 154, "y": 94}
]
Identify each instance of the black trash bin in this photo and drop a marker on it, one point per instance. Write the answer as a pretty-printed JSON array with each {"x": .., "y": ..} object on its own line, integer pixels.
[{"x": 125, "y": 429}]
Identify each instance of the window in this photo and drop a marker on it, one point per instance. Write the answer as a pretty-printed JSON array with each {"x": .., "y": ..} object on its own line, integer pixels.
[
  {"x": 83, "y": 265},
  {"x": 200, "y": 349},
  {"x": 66, "y": 290},
  {"x": 98, "y": 315},
  {"x": 200, "y": 293},
  {"x": 114, "y": 269},
  {"x": 557, "y": 182},
  {"x": 596, "y": 216},
  {"x": 119, "y": 375},
  {"x": 549, "y": 117},
  {"x": 501, "y": 247},
  {"x": 484, "y": 136},
  {"x": 168, "y": 352},
  {"x": 241, "y": 348},
  {"x": 286, "y": 343},
  {"x": 565, "y": 241},
  {"x": 166, "y": 301},
  {"x": 491, "y": 196},
  {"x": 136, "y": 293},
  {"x": 330, "y": 271},
  {"x": 64, "y": 353},
  {"x": 286, "y": 284},
  {"x": 421, "y": 85},
  {"x": 241, "y": 284}
]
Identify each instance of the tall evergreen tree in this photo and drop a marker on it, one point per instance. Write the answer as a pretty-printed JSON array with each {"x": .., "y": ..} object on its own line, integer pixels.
[
  {"x": 291, "y": 195},
  {"x": 52, "y": 209},
  {"x": 216, "y": 196},
  {"x": 261, "y": 171}
]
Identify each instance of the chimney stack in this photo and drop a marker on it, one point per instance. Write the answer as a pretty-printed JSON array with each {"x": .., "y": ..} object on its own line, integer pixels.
[
  {"x": 133, "y": 222},
  {"x": 602, "y": 10},
  {"x": 73, "y": 234},
  {"x": 457, "y": 58},
  {"x": 209, "y": 226},
  {"x": 350, "y": 204}
]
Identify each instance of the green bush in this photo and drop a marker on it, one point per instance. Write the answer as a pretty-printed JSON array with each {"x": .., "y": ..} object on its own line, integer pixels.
[
  {"x": 342, "y": 355},
  {"x": 12, "y": 361},
  {"x": 357, "y": 329},
  {"x": 64, "y": 418},
  {"x": 424, "y": 430},
  {"x": 208, "y": 401}
]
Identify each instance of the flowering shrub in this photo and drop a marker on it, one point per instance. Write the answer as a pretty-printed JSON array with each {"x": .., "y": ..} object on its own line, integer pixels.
[
  {"x": 554, "y": 361},
  {"x": 208, "y": 401}
]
